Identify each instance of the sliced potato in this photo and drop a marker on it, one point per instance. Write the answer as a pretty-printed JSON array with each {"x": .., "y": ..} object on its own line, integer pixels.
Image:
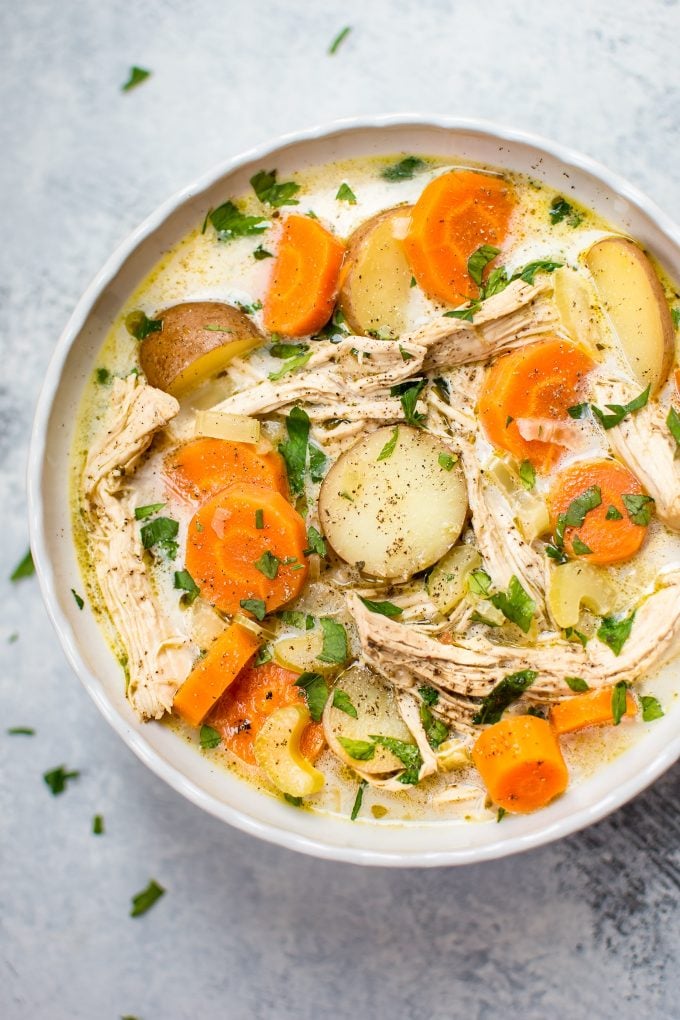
[
  {"x": 574, "y": 584},
  {"x": 377, "y": 714},
  {"x": 394, "y": 516},
  {"x": 277, "y": 752},
  {"x": 197, "y": 340},
  {"x": 576, "y": 307},
  {"x": 633, "y": 298},
  {"x": 376, "y": 286},
  {"x": 301, "y": 654},
  {"x": 446, "y": 584}
]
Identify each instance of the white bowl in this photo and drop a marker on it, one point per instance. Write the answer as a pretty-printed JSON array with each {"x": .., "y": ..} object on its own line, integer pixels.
[{"x": 214, "y": 789}]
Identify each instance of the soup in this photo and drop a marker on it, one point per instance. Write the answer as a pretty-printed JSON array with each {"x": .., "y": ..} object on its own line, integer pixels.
[{"x": 375, "y": 490}]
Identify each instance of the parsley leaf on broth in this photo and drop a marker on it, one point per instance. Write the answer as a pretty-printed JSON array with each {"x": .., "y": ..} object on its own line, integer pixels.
[
  {"x": 270, "y": 193},
  {"x": 408, "y": 755},
  {"x": 358, "y": 800},
  {"x": 315, "y": 543},
  {"x": 294, "y": 449},
  {"x": 360, "y": 750},
  {"x": 345, "y": 194},
  {"x": 651, "y": 708},
  {"x": 614, "y": 632},
  {"x": 315, "y": 690},
  {"x": 383, "y": 608},
  {"x": 515, "y": 605},
  {"x": 230, "y": 222},
  {"x": 334, "y": 647},
  {"x": 291, "y": 364},
  {"x": 504, "y": 693},
  {"x": 139, "y": 325},
  {"x": 161, "y": 533},
  {"x": 560, "y": 210},
  {"x": 619, "y": 411},
  {"x": 342, "y": 701},
  {"x": 404, "y": 170},
  {"x": 639, "y": 508}
]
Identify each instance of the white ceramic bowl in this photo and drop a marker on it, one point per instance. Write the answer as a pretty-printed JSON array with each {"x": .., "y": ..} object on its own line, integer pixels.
[{"x": 214, "y": 789}]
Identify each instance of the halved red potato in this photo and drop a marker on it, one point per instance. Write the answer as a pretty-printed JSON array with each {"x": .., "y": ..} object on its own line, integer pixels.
[
  {"x": 377, "y": 277},
  {"x": 197, "y": 340}
]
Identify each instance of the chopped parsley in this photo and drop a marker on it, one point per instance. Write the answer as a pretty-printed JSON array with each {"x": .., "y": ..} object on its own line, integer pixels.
[
  {"x": 405, "y": 356},
  {"x": 303, "y": 621},
  {"x": 429, "y": 695},
  {"x": 229, "y": 222},
  {"x": 334, "y": 648},
  {"x": 504, "y": 693},
  {"x": 620, "y": 411},
  {"x": 345, "y": 194},
  {"x": 139, "y": 325},
  {"x": 185, "y": 583},
  {"x": 261, "y": 253},
  {"x": 500, "y": 814},
  {"x": 579, "y": 546},
  {"x": 136, "y": 77},
  {"x": 576, "y": 684},
  {"x": 142, "y": 512},
  {"x": 673, "y": 422},
  {"x": 479, "y": 583},
  {"x": 341, "y": 701},
  {"x": 315, "y": 543},
  {"x": 578, "y": 411},
  {"x": 560, "y": 210},
  {"x": 290, "y": 365},
  {"x": 466, "y": 313},
  {"x": 79, "y": 601},
  {"x": 259, "y": 519},
  {"x": 209, "y": 738},
  {"x": 527, "y": 474},
  {"x": 270, "y": 193},
  {"x": 408, "y": 393},
  {"x": 25, "y": 568},
  {"x": 268, "y": 564},
  {"x": 442, "y": 389},
  {"x": 145, "y": 899},
  {"x": 479, "y": 260},
  {"x": 651, "y": 708},
  {"x": 57, "y": 779},
  {"x": 572, "y": 634},
  {"x": 161, "y": 532},
  {"x": 614, "y": 632},
  {"x": 255, "y": 606},
  {"x": 285, "y": 351},
  {"x": 360, "y": 750},
  {"x": 315, "y": 690},
  {"x": 390, "y": 446},
  {"x": 21, "y": 731},
  {"x": 358, "y": 800},
  {"x": 619, "y": 701},
  {"x": 436, "y": 731},
  {"x": 404, "y": 170},
  {"x": 264, "y": 654},
  {"x": 383, "y": 608},
  {"x": 613, "y": 514},
  {"x": 103, "y": 376},
  {"x": 339, "y": 39},
  {"x": 675, "y": 316},
  {"x": 408, "y": 754},
  {"x": 576, "y": 512},
  {"x": 515, "y": 605},
  {"x": 639, "y": 508},
  {"x": 98, "y": 825},
  {"x": 294, "y": 449}
]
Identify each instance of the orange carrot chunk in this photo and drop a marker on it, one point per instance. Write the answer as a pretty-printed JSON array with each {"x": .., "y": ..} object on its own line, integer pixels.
[
  {"x": 613, "y": 531},
  {"x": 304, "y": 281},
  {"x": 245, "y": 550},
  {"x": 203, "y": 467},
  {"x": 539, "y": 381},
  {"x": 244, "y": 707},
  {"x": 455, "y": 215},
  {"x": 591, "y": 709},
  {"x": 520, "y": 761},
  {"x": 211, "y": 676}
]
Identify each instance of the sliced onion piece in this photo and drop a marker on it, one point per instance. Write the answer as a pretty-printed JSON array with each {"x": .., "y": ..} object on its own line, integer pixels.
[{"x": 237, "y": 428}]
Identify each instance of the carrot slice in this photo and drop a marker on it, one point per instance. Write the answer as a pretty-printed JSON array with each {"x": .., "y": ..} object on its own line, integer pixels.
[
  {"x": 304, "y": 282},
  {"x": 520, "y": 761},
  {"x": 611, "y": 539},
  {"x": 591, "y": 709},
  {"x": 225, "y": 543},
  {"x": 203, "y": 467},
  {"x": 455, "y": 215},
  {"x": 208, "y": 680},
  {"x": 538, "y": 381},
  {"x": 259, "y": 691}
]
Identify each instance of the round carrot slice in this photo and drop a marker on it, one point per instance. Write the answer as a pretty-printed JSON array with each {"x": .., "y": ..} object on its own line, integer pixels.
[
  {"x": 612, "y": 531},
  {"x": 521, "y": 763},
  {"x": 258, "y": 692},
  {"x": 304, "y": 282},
  {"x": 203, "y": 467},
  {"x": 455, "y": 215},
  {"x": 539, "y": 381},
  {"x": 247, "y": 544}
]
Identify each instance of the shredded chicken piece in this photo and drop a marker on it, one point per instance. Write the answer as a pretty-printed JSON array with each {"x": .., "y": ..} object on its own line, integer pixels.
[
  {"x": 158, "y": 656},
  {"x": 644, "y": 443},
  {"x": 467, "y": 669}
]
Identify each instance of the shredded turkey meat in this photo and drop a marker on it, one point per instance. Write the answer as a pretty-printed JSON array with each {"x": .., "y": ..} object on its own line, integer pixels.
[
  {"x": 158, "y": 657},
  {"x": 468, "y": 669},
  {"x": 644, "y": 443}
]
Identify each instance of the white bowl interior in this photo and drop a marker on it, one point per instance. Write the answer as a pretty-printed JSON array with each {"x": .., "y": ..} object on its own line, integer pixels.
[{"x": 214, "y": 789}]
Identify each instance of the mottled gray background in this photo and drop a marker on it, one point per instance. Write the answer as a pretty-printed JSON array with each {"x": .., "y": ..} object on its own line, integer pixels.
[{"x": 584, "y": 928}]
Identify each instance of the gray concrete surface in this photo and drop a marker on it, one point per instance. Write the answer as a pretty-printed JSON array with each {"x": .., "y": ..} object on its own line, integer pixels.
[{"x": 584, "y": 928}]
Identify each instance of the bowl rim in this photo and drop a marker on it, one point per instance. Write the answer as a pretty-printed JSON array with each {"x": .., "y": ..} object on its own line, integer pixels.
[{"x": 503, "y": 846}]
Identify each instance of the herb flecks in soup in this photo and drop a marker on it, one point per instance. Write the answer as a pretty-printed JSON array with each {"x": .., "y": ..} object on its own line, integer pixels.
[{"x": 377, "y": 489}]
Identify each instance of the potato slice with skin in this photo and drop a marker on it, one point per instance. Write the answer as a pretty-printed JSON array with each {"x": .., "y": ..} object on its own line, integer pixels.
[
  {"x": 377, "y": 277},
  {"x": 633, "y": 298},
  {"x": 446, "y": 584},
  {"x": 574, "y": 584},
  {"x": 301, "y": 654},
  {"x": 197, "y": 340},
  {"x": 377, "y": 714},
  {"x": 277, "y": 752},
  {"x": 394, "y": 516}
]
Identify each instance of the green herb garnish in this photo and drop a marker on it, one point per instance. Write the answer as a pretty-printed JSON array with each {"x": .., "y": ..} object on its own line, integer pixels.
[
  {"x": 315, "y": 543},
  {"x": 25, "y": 568},
  {"x": 268, "y": 191},
  {"x": 145, "y": 899},
  {"x": 185, "y": 583},
  {"x": 341, "y": 701},
  {"x": 209, "y": 738},
  {"x": 79, "y": 601},
  {"x": 389, "y": 447},
  {"x": 408, "y": 393},
  {"x": 139, "y": 325},
  {"x": 560, "y": 210},
  {"x": 255, "y": 606},
  {"x": 639, "y": 508},
  {"x": 579, "y": 546},
  {"x": 408, "y": 755},
  {"x": 268, "y": 564},
  {"x": 230, "y": 222},
  {"x": 527, "y": 475},
  {"x": 613, "y": 514},
  {"x": 673, "y": 422},
  {"x": 360, "y": 750},
  {"x": 21, "y": 731},
  {"x": 620, "y": 411},
  {"x": 508, "y": 690},
  {"x": 404, "y": 170},
  {"x": 102, "y": 376},
  {"x": 334, "y": 648},
  {"x": 515, "y": 605},
  {"x": 98, "y": 825},
  {"x": 345, "y": 194},
  {"x": 358, "y": 800},
  {"x": 576, "y": 684},
  {"x": 447, "y": 461},
  {"x": 261, "y": 253},
  {"x": 479, "y": 583},
  {"x": 339, "y": 39},
  {"x": 161, "y": 532},
  {"x": 259, "y": 519},
  {"x": 465, "y": 314},
  {"x": 651, "y": 708},
  {"x": 619, "y": 701},
  {"x": 142, "y": 512},
  {"x": 315, "y": 690},
  {"x": 383, "y": 608},
  {"x": 137, "y": 76},
  {"x": 290, "y": 365},
  {"x": 57, "y": 779},
  {"x": 614, "y": 632},
  {"x": 429, "y": 695}
]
